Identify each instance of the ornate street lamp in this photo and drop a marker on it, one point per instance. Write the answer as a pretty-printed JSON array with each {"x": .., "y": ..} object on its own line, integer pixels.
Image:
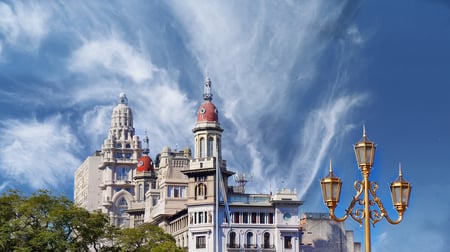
[
  {"x": 366, "y": 192},
  {"x": 331, "y": 188}
]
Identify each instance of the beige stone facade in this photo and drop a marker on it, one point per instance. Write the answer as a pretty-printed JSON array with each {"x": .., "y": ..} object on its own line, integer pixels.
[{"x": 319, "y": 233}]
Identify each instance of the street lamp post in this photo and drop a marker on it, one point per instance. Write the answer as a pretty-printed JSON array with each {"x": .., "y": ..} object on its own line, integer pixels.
[{"x": 365, "y": 192}]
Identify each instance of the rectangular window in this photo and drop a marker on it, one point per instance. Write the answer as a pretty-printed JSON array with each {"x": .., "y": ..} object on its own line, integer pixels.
[
  {"x": 262, "y": 218},
  {"x": 169, "y": 191},
  {"x": 200, "y": 217},
  {"x": 245, "y": 217},
  {"x": 176, "y": 192},
  {"x": 270, "y": 218},
  {"x": 288, "y": 242},
  {"x": 200, "y": 242},
  {"x": 183, "y": 192},
  {"x": 236, "y": 217},
  {"x": 253, "y": 218}
]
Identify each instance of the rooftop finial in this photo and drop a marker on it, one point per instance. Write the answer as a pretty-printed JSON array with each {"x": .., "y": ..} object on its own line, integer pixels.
[
  {"x": 207, "y": 96},
  {"x": 123, "y": 98},
  {"x": 364, "y": 130},
  {"x": 146, "y": 145},
  {"x": 331, "y": 166},
  {"x": 400, "y": 169}
]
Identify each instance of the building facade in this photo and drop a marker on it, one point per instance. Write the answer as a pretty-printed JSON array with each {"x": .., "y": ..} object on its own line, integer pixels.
[
  {"x": 87, "y": 179},
  {"x": 318, "y": 233},
  {"x": 186, "y": 193}
]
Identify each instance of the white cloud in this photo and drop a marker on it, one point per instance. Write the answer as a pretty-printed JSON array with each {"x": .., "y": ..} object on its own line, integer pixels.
[
  {"x": 24, "y": 25},
  {"x": 355, "y": 35},
  {"x": 166, "y": 113},
  {"x": 38, "y": 154},
  {"x": 159, "y": 107},
  {"x": 111, "y": 56},
  {"x": 263, "y": 59},
  {"x": 3, "y": 185},
  {"x": 95, "y": 125},
  {"x": 322, "y": 126}
]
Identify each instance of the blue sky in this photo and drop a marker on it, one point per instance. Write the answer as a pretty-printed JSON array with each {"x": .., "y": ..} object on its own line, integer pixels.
[{"x": 294, "y": 82}]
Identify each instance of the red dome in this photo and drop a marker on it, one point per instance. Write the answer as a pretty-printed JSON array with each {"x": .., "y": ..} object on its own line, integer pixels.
[
  {"x": 145, "y": 164},
  {"x": 207, "y": 112}
]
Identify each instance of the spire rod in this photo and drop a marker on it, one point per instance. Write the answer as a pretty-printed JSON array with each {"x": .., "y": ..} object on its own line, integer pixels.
[
  {"x": 364, "y": 130},
  {"x": 207, "y": 96},
  {"x": 400, "y": 169},
  {"x": 146, "y": 145},
  {"x": 331, "y": 166}
]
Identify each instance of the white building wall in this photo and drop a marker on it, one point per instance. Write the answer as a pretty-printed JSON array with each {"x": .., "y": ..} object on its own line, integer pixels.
[{"x": 87, "y": 179}]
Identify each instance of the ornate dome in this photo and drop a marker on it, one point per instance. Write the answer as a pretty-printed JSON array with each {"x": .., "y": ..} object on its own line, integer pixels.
[
  {"x": 207, "y": 112},
  {"x": 122, "y": 114},
  {"x": 145, "y": 164}
]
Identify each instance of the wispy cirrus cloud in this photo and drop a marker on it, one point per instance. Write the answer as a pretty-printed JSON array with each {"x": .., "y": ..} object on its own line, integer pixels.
[
  {"x": 3, "y": 186},
  {"x": 111, "y": 56},
  {"x": 265, "y": 81},
  {"x": 23, "y": 25},
  {"x": 159, "y": 105},
  {"x": 40, "y": 154},
  {"x": 262, "y": 81},
  {"x": 322, "y": 125}
]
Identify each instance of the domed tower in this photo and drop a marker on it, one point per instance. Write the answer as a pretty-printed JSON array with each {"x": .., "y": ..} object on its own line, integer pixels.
[
  {"x": 120, "y": 153},
  {"x": 144, "y": 182},
  {"x": 145, "y": 176},
  {"x": 207, "y": 130},
  {"x": 207, "y": 173}
]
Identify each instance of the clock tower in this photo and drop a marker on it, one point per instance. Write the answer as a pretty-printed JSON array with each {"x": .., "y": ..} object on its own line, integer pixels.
[{"x": 207, "y": 173}]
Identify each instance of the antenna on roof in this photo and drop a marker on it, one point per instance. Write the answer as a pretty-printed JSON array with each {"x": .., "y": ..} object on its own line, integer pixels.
[{"x": 242, "y": 179}]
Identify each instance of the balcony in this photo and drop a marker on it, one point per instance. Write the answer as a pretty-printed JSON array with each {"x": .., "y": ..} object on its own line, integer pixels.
[
  {"x": 251, "y": 247},
  {"x": 268, "y": 248},
  {"x": 233, "y": 247}
]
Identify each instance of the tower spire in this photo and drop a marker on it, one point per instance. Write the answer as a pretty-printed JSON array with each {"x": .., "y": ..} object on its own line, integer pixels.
[
  {"x": 207, "y": 96},
  {"x": 146, "y": 145}
]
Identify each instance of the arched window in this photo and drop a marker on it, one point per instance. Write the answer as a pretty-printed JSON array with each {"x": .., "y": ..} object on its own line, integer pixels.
[
  {"x": 250, "y": 241},
  {"x": 266, "y": 240},
  {"x": 202, "y": 147},
  {"x": 210, "y": 146},
  {"x": 232, "y": 241},
  {"x": 121, "y": 207},
  {"x": 200, "y": 191}
]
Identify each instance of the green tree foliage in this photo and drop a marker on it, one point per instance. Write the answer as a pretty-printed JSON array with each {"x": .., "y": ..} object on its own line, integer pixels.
[
  {"x": 146, "y": 237},
  {"x": 44, "y": 222}
]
